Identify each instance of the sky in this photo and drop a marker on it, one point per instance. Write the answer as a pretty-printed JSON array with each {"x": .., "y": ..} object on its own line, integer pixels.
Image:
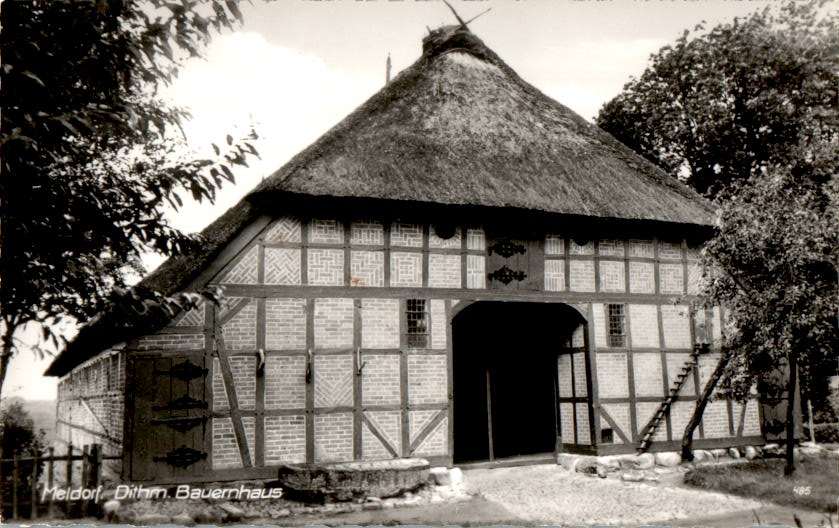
[{"x": 295, "y": 68}]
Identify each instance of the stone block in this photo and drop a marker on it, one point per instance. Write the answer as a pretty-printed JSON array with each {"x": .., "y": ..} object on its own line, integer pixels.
[
  {"x": 734, "y": 453},
  {"x": 609, "y": 463},
  {"x": 456, "y": 477},
  {"x": 702, "y": 455},
  {"x": 440, "y": 476},
  {"x": 668, "y": 459},
  {"x": 751, "y": 453},
  {"x": 642, "y": 461}
]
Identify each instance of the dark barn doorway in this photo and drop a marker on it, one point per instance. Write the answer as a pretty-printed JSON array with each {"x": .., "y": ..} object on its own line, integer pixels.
[{"x": 505, "y": 378}]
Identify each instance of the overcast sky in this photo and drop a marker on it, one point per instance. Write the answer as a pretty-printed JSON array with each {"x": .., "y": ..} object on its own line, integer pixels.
[{"x": 296, "y": 68}]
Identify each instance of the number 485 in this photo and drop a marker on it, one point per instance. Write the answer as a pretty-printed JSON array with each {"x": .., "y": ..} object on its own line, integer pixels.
[{"x": 801, "y": 490}]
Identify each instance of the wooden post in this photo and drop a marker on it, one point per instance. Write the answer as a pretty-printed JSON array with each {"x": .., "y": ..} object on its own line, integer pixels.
[
  {"x": 96, "y": 470},
  {"x": 34, "y": 512},
  {"x": 14, "y": 486},
  {"x": 85, "y": 476},
  {"x": 489, "y": 417},
  {"x": 50, "y": 476},
  {"x": 69, "y": 473}
]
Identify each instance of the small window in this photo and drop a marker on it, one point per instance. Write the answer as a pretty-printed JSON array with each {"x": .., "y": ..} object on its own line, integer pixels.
[
  {"x": 607, "y": 436},
  {"x": 617, "y": 326},
  {"x": 417, "y": 335}
]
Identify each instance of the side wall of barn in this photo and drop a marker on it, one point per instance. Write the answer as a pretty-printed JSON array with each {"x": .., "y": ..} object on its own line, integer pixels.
[{"x": 90, "y": 406}]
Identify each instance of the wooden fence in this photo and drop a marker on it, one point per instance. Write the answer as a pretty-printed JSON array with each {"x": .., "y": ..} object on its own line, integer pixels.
[{"x": 26, "y": 483}]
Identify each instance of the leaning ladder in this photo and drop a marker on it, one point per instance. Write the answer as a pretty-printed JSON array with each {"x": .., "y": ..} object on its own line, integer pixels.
[{"x": 649, "y": 430}]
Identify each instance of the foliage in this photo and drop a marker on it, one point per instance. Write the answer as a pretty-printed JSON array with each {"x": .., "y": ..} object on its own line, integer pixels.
[
  {"x": 18, "y": 437},
  {"x": 814, "y": 487},
  {"x": 719, "y": 106},
  {"x": 748, "y": 114},
  {"x": 91, "y": 153}
]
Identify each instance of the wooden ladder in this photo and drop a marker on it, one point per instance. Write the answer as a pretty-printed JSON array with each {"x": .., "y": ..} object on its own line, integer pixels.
[{"x": 649, "y": 430}]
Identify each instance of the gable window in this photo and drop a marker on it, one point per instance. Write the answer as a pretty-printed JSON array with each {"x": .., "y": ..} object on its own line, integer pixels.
[
  {"x": 617, "y": 325},
  {"x": 417, "y": 330}
]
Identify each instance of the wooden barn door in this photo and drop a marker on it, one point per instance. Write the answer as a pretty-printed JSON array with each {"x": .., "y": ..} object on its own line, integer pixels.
[
  {"x": 168, "y": 421},
  {"x": 515, "y": 261}
]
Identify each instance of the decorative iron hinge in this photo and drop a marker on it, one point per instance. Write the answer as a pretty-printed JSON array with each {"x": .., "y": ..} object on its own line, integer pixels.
[
  {"x": 183, "y": 371},
  {"x": 181, "y": 425},
  {"x": 182, "y": 457},
  {"x": 505, "y": 275},
  {"x": 507, "y": 248},
  {"x": 185, "y": 402}
]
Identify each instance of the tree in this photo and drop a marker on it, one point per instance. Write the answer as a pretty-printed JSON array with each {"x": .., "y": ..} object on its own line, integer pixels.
[
  {"x": 18, "y": 437},
  {"x": 747, "y": 113},
  {"x": 92, "y": 154},
  {"x": 718, "y": 106}
]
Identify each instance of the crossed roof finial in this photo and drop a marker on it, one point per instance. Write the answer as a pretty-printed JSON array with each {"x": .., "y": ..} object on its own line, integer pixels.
[{"x": 460, "y": 20}]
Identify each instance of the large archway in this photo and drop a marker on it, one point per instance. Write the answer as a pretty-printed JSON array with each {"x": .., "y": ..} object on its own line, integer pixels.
[{"x": 505, "y": 377}]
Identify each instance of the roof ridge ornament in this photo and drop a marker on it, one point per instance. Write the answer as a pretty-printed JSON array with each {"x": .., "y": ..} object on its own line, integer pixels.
[{"x": 460, "y": 20}]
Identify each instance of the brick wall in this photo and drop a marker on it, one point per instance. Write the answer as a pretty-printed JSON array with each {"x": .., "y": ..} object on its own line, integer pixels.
[
  {"x": 333, "y": 380},
  {"x": 620, "y": 415},
  {"x": 243, "y": 269},
  {"x": 367, "y": 268},
  {"x": 675, "y": 321},
  {"x": 326, "y": 267},
  {"x": 284, "y": 229},
  {"x": 612, "y": 276},
  {"x": 380, "y": 323},
  {"x": 367, "y": 233},
  {"x": 285, "y": 383},
  {"x": 282, "y": 266},
  {"x": 240, "y": 331},
  {"x": 380, "y": 379},
  {"x": 715, "y": 419},
  {"x": 405, "y": 269},
  {"x": 643, "y": 324},
  {"x": 427, "y": 378},
  {"x": 612, "y": 379},
  {"x": 648, "y": 376},
  {"x": 443, "y": 271},
  {"x": 333, "y": 437},
  {"x": 641, "y": 277},
  {"x": 100, "y": 382},
  {"x": 333, "y": 323},
  {"x": 171, "y": 342},
  {"x": 285, "y": 439},
  {"x": 581, "y": 275},
  {"x": 389, "y": 425},
  {"x": 285, "y": 324}
]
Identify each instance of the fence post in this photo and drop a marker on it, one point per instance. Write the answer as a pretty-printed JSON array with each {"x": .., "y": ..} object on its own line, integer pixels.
[
  {"x": 35, "y": 459},
  {"x": 69, "y": 475},
  {"x": 14, "y": 486},
  {"x": 96, "y": 465},
  {"x": 84, "y": 482},
  {"x": 50, "y": 474}
]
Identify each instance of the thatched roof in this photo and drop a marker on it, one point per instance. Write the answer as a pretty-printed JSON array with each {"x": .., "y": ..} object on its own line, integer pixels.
[{"x": 458, "y": 127}]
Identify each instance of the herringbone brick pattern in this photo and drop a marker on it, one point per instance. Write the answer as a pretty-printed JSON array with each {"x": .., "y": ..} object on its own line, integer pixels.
[{"x": 282, "y": 266}]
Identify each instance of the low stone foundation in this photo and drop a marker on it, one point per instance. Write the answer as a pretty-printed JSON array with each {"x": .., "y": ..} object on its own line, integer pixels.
[{"x": 352, "y": 480}]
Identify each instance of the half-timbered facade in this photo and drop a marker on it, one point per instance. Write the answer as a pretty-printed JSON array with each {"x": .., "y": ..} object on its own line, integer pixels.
[{"x": 461, "y": 270}]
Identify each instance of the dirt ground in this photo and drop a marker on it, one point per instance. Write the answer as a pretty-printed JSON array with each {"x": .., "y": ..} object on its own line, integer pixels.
[{"x": 547, "y": 494}]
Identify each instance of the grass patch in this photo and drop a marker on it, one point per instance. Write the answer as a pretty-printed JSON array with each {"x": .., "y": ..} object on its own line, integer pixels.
[{"x": 764, "y": 480}]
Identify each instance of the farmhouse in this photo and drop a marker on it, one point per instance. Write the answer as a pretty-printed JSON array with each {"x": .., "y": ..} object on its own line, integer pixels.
[{"x": 463, "y": 269}]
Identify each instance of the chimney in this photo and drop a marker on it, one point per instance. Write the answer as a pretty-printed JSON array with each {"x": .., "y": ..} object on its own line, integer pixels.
[{"x": 387, "y": 68}]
